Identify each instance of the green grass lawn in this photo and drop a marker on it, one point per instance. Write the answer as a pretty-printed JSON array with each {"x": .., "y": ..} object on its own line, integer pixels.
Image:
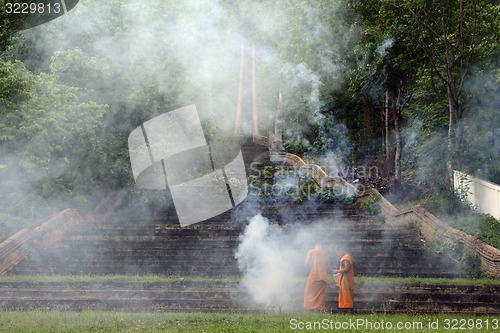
[
  {"x": 56, "y": 321},
  {"x": 230, "y": 279},
  {"x": 110, "y": 321}
]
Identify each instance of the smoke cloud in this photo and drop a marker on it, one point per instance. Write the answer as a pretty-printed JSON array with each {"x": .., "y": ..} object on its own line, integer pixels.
[
  {"x": 272, "y": 261},
  {"x": 132, "y": 60}
]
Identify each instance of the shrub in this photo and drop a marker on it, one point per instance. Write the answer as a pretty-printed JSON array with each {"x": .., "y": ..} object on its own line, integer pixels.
[
  {"x": 462, "y": 216},
  {"x": 472, "y": 264},
  {"x": 371, "y": 206},
  {"x": 489, "y": 230}
]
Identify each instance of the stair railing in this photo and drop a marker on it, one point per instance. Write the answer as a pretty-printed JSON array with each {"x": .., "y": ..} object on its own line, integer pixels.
[
  {"x": 429, "y": 225},
  {"x": 27, "y": 241}
]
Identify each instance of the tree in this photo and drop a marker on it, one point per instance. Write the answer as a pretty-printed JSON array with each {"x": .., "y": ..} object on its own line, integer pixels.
[
  {"x": 394, "y": 62},
  {"x": 47, "y": 135},
  {"x": 451, "y": 35}
]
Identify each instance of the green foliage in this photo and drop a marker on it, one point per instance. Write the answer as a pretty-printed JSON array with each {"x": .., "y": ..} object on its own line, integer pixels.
[
  {"x": 68, "y": 107},
  {"x": 91, "y": 74},
  {"x": 481, "y": 142},
  {"x": 489, "y": 230},
  {"x": 275, "y": 183},
  {"x": 8, "y": 25},
  {"x": 441, "y": 204},
  {"x": 152, "y": 280},
  {"x": 371, "y": 206},
  {"x": 470, "y": 262},
  {"x": 428, "y": 56},
  {"x": 447, "y": 206},
  {"x": 483, "y": 226},
  {"x": 282, "y": 183},
  {"x": 47, "y": 133},
  {"x": 443, "y": 246}
]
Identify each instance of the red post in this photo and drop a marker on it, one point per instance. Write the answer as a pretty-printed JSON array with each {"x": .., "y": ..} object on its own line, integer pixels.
[
  {"x": 240, "y": 92},
  {"x": 255, "y": 120}
]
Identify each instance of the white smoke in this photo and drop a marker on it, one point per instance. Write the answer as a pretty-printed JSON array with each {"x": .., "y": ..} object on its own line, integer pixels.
[
  {"x": 138, "y": 59},
  {"x": 386, "y": 44},
  {"x": 272, "y": 261}
]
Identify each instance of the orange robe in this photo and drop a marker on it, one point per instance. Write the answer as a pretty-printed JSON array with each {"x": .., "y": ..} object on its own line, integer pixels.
[
  {"x": 345, "y": 282},
  {"x": 315, "y": 291}
]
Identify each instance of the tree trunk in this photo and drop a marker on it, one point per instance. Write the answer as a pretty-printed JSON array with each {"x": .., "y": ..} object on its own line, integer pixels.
[
  {"x": 386, "y": 124},
  {"x": 449, "y": 153},
  {"x": 397, "y": 139}
]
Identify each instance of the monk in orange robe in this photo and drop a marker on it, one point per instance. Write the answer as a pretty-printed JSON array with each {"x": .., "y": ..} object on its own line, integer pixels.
[
  {"x": 345, "y": 281},
  {"x": 315, "y": 291}
]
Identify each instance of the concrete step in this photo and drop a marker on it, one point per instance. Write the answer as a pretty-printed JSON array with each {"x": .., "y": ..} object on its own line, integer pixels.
[
  {"x": 216, "y": 267},
  {"x": 229, "y": 296},
  {"x": 134, "y": 242},
  {"x": 218, "y": 230}
]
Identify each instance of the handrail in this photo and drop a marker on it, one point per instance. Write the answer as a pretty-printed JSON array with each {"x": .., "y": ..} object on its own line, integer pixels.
[
  {"x": 318, "y": 174},
  {"x": 26, "y": 241},
  {"x": 274, "y": 142},
  {"x": 429, "y": 225},
  {"x": 432, "y": 228}
]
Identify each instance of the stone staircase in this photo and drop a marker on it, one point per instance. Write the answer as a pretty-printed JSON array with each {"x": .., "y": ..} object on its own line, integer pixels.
[
  {"x": 135, "y": 241},
  {"x": 214, "y": 296},
  {"x": 130, "y": 245}
]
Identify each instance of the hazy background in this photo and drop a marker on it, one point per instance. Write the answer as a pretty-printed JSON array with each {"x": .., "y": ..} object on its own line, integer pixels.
[
  {"x": 101, "y": 70},
  {"x": 73, "y": 89}
]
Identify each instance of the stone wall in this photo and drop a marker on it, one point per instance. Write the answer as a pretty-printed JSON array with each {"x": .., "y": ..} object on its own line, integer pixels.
[
  {"x": 48, "y": 231},
  {"x": 429, "y": 225},
  {"x": 261, "y": 140},
  {"x": 319, "y": 175},
  {"x": 433, "y": 228}
]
